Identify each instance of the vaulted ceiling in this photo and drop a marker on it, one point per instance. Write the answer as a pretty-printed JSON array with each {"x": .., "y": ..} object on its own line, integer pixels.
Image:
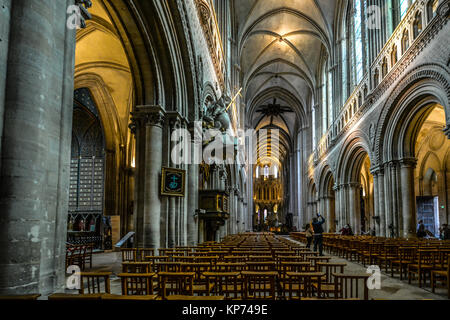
[{"x": 280, "y": 46}]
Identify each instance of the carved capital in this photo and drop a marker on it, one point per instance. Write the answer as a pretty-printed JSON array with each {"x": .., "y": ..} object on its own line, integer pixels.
[
  {"x": 175, "y": 119},
  {"x": 147, "y": 116},
  {"x": 408, "y": 162}
]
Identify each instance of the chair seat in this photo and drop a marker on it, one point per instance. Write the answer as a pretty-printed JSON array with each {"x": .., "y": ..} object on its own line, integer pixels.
[
  {"x": 231, "y": 288},
  {"x": 439, "y": 273},
  {"x": 202, "y": 287},
  {"x": 285, "y": 286},
  {"x": 424, "y": 266}
]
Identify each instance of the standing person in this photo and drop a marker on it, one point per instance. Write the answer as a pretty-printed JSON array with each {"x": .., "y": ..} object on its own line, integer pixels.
[
  {"x": 318, "y": 230},
  {"x": 421, "y": 233},
  {"x": 309, "y": 235}
]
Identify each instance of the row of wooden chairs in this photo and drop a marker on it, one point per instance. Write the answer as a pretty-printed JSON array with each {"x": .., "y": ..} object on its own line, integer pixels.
[
  {"x": 413, "y": 259},
  {"x": 79, "y": 255}
]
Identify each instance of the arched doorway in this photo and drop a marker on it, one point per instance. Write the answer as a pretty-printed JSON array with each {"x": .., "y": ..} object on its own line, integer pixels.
[
  {"x": 86, "y": 223},
  {"x": 430, "y": 179}
]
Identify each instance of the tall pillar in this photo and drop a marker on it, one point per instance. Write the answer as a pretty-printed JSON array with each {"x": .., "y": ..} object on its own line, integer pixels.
[
  {"x": 408, "y": 197},
  {"x": 36, "y": 106},
  {"x": 395, "y": 203},
  {"x": 5, "y": 15},
  {"x": 148, "y": 122},
  {"x": 376, "y": 202},
  {"x": 389, "y": 223},
  {"x": 193, "y": 184},
  {"x": 174, "y": 213},
  {"x": 381, "y": 203}
]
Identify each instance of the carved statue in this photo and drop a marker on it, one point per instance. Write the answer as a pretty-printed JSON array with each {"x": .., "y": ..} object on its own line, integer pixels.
[{"x": 215, "y": 115}]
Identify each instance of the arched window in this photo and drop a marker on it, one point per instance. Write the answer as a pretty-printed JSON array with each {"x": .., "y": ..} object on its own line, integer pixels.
[
  {"x": 432, "y": 6},
  {"x": 376, "y": 78},
  {"x": 330, "y": 100},
  {"x": 266, "y": 171},
  {"x": 405, "y": 41},
  {"x": 357, "y": 41},
  {"x": 417, "y": 26},
  {"x": 394, "y": 55},
  {"x": 275, "y": 172},
  {"x": 384, "y": 68},
  {"x": 404, "y": 5},
  {"x": 324, "y": 98},
  {"x": 257, "y": 172}
]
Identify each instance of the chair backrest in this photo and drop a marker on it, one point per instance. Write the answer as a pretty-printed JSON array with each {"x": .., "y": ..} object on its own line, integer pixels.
[
  {"x": 176, "y": 283},
  {"x": 427, "y": 257},
  {"x": 293, "y": 266},
  {"x": 330, "y": 268},
  {"x": 229, "y": 267},
  {"x": 137, "y": 284},
  {"x": 300, "y": 284},
  {"x": 351, "y": 286},
  {"x": 407, "y": 253},
  {"x": 95, "y": 282},
  {"x": 261, "y": 266},
  {"x": 196, "y": 267},
  {"x": 129, "y": 254},
  {"x": 259, "y": 285},
  {"x": 145, "y": 252},
  {"x": 166, "y": 266},
  {"x": 227, "y": 284}
]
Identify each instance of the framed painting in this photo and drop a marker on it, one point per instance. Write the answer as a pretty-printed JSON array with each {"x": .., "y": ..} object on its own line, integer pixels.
[{"x": 173, "y": 182}]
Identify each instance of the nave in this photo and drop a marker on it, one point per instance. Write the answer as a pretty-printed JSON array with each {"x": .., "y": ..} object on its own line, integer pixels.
[{"x": 256, "y": 266}]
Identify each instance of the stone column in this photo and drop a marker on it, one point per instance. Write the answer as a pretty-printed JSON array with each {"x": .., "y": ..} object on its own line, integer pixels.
[
  {"x": 376, "y": 197},
  {"x": 148, "y": 122},
  {"x": 355, "y": 215},
  {"x": 388, "y": 200},
  {"x": 408, "y": 197},
  {"x": 381, "y": 203},
  {"x": 395, "y": 205},
  {"x": 36, "y": 106},
  {"x": 174, "y": 215},
  {"x": 193, "y": 183},
  {"x": 5, "y": 14}
]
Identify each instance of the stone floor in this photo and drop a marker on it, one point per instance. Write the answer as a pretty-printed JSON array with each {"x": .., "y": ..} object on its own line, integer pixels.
[{"x": 391, "y": 288}]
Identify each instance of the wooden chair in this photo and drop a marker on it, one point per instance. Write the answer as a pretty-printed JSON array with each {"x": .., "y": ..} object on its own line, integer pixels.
[
  {"x": 390, "y": 253},
  {"x": 291, "y": 266},
  {"x": 227, "y": 284},
  {"x": 145, "y": 252},
  {"x": 443, "y": 276},
  {"x": 259, "y": 285},
  {"x": 425, "y": 264},
  {"x": 176, "y": 284},
  {"x": 95, "y": 282},
  {"x": 327, "y": 285},
  {"x": 405, "y": 257},
  {"x": 88, "y": 256},
  {"x": 198, "y": 268},
  {"x": 351, "y": 286},
  {"x": 137, "y": 284},
  {"x": 315, "y": 260},
  {"x": 299, "y": 285},
  {"x": 129, "y": 254}
]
